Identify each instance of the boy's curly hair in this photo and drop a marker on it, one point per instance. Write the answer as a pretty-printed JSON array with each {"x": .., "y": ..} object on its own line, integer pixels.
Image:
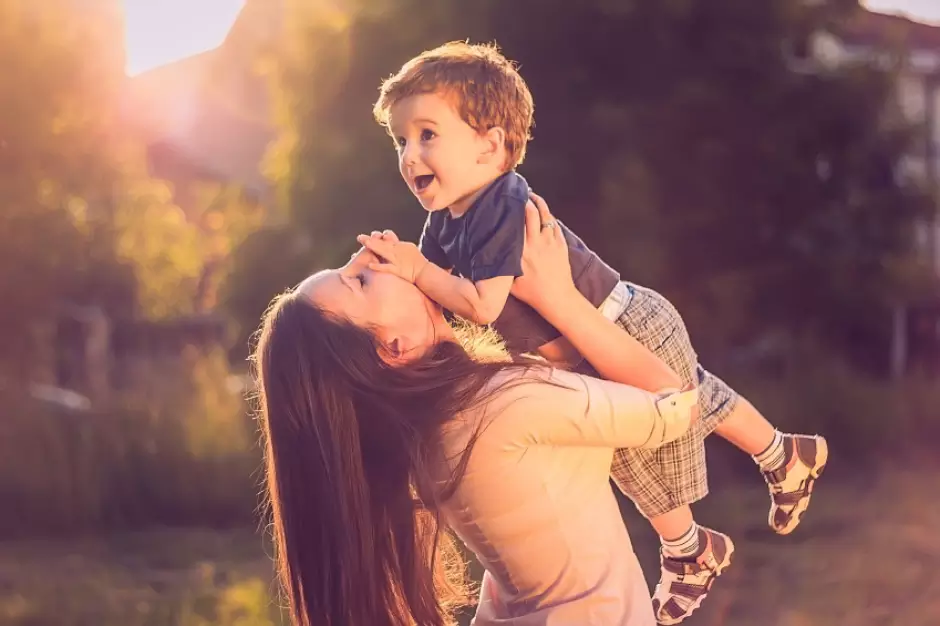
[{"x": 486, "y": 88}]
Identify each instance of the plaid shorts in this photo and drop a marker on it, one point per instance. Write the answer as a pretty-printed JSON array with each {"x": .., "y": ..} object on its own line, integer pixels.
[{"x": 661, "y": 480}]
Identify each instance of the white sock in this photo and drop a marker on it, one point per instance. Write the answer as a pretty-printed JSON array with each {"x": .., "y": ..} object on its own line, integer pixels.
[
  {"x": 684, "y": 546},
  {"x": 772, "y": 457}
]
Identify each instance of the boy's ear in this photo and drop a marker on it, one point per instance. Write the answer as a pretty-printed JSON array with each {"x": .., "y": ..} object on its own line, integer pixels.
[{"x": 493, "y": 142}]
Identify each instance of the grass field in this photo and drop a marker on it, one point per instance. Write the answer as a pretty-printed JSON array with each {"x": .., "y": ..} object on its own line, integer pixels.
[{"x": 863, "y": 556}]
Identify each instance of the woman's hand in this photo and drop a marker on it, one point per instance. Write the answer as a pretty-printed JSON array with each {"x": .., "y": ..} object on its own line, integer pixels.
[
  {"x": 678, "y": 411},
  {"x": 546, "y": 273}
]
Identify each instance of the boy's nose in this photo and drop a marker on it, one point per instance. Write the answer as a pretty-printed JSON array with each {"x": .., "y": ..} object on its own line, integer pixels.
[{"x": 409, "y": 155}]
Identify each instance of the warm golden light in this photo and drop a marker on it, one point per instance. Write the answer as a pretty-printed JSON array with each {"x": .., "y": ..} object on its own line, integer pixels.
[
  {"x": 168, "y": 30},
  {"x": 921, "y": 10}
]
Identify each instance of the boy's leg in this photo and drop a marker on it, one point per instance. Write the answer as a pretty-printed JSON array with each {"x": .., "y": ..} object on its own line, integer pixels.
[
  {"x": 690, "y": 563},
  {"x": 790, "y": 463},
  {"x": 691, "y": 556},
  {"x": 663, "y": 483},
  {"x": 673, "y": 524},
  {"x": 682, "y": 541},
  {"x": 746, "y": 429}
]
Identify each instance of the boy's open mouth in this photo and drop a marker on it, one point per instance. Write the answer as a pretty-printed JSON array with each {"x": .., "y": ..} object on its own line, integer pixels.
[{"x": 422, "y": 182}]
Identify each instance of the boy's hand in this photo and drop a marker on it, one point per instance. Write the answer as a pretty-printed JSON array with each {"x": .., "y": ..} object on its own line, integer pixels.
[
  {"x": 402, "y": 258},
  {"x": 387, "y": 235}
]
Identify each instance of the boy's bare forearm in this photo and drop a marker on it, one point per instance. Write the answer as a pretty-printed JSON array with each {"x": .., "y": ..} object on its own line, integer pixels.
[{"x": 481, "y": 303}]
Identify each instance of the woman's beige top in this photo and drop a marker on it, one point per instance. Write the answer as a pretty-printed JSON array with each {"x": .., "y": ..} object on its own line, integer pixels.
[{"x": 536, "y": 507}]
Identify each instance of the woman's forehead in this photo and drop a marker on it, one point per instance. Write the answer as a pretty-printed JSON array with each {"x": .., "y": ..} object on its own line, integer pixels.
[
  {"x": 326, "y": 289},
  {"x": 333, "y": 291},
  {"x": 308, "y": 286}
]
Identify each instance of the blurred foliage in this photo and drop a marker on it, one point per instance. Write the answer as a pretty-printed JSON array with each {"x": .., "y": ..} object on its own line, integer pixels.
[
  {"x": 181, "y": 258},
  {"x": 156, "y": 578},
  {"x": 81, "y": 220},
  {"x": 177, "y": 451},
  {"x": 812, "y": 391},
  {"x": 56, "y": 167}
]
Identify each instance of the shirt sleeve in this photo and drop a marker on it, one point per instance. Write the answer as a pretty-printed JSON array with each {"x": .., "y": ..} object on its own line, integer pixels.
[
  {"x": 430, "y": 247},
  {"x": 567, "y": 409},
  {"x": 495, "y": 238}
]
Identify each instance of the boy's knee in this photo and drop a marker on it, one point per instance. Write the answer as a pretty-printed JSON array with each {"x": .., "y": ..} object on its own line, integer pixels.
[{"x": 717, "y": 398}]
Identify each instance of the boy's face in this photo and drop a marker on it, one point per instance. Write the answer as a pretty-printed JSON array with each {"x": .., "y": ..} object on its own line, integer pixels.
[{"x": 444, "y": 161}]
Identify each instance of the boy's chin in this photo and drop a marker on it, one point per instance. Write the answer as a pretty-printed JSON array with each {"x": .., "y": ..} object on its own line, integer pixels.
[{"x": 432, "y": 206}]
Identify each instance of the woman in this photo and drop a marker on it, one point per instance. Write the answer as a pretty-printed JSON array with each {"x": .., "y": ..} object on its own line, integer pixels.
[{"x": 383, "y": 425}]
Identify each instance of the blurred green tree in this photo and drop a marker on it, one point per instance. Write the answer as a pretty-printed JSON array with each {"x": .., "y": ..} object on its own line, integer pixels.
[
  {"x": 81, "y": 221},
  {"x": 59, "y": 98}
]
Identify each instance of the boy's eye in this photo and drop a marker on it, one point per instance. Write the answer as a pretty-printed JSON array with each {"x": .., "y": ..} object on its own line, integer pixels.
[
  {"x": 400, "y": 142},
  {"x": 427, "y": 135}
]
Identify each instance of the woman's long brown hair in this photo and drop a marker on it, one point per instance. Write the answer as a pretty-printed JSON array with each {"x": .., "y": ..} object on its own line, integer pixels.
[{"x": 350, "y": 441}]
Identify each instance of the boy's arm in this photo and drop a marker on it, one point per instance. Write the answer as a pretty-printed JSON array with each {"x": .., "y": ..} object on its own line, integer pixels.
[{"x": 480, "y": 302}]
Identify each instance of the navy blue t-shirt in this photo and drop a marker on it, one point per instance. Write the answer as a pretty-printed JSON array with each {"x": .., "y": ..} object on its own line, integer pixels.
[{"x": 486, "y": 242}]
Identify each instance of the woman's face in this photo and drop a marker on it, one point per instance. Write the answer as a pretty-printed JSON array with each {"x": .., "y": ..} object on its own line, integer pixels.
[{"x": 400, "y": 315}]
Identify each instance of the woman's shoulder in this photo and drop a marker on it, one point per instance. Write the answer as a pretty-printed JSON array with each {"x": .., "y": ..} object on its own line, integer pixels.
[
  {"x": 515, "y": 392},
  {"x": 512, "y": 382}
]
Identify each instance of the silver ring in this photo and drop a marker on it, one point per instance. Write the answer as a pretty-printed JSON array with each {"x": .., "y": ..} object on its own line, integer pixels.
[{"x": 550, "y": 224}]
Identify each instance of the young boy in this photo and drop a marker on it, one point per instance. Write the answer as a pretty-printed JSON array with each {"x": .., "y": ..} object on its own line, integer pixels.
[{"x": 460, "y": 116}]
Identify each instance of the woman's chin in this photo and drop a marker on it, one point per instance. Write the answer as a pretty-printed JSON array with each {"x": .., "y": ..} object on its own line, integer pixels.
[
  {"x": 438, "y": 321},
  {"x": 437, "y": 316},
  {"x": 434, "y": 309}
]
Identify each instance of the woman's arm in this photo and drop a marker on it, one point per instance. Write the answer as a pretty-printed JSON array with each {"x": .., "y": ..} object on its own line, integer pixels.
[
  {"x": 546, "y": 285},
  {"x": 554, "y": 407}
]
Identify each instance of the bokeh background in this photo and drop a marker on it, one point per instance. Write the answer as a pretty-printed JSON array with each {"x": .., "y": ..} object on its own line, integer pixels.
[{"x": 772, "y": 167}]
